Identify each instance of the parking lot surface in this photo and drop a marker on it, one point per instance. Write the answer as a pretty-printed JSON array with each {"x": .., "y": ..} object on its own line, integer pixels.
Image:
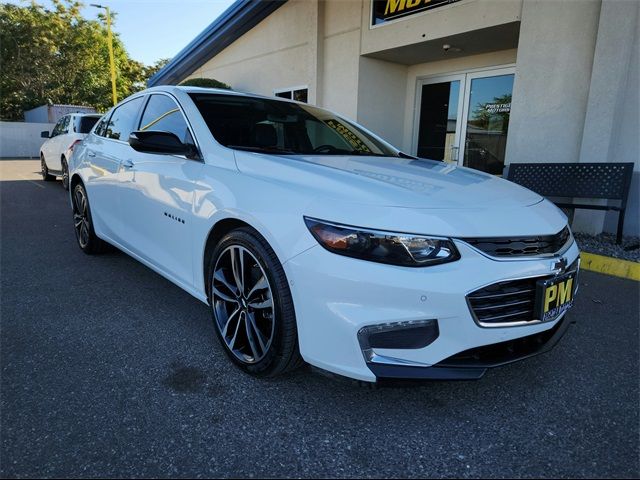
[{"x": 107, "y": 369}]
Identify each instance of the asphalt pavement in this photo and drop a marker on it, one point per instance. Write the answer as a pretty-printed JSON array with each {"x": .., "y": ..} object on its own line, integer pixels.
[{"x": 109, "y": 370}]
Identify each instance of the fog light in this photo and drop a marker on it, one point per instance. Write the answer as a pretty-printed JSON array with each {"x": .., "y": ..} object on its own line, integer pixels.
[{"x": 408, "y": 335}]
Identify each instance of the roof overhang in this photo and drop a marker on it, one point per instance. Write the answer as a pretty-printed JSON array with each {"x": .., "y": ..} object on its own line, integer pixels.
[{"x": 234, "y": 22}]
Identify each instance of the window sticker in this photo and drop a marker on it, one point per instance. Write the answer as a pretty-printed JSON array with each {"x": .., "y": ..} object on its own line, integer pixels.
[{"x": 348, "y": 135}]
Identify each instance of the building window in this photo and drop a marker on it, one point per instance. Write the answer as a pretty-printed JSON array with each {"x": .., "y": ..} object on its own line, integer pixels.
[{"x": 300, "y": 94}]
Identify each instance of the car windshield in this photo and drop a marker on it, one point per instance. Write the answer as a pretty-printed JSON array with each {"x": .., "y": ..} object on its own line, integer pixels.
[
  {"x": 275, "y": 126},
  {"x": 87, "y": 123}
]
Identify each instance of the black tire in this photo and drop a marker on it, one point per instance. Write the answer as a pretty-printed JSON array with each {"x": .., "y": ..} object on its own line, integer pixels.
[
  {"x": 65, "y": 173},
  {"x": 271, "y": 356},
  {"x": 87, "y": 239},
  {"x": 44, "y": 171}
]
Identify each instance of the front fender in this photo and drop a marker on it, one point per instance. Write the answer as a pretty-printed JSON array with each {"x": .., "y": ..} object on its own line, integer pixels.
[{"x": 273, "y": 211}]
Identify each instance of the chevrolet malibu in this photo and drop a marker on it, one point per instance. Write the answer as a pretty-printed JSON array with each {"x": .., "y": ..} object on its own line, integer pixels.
[{"x": 313, "y": 240}]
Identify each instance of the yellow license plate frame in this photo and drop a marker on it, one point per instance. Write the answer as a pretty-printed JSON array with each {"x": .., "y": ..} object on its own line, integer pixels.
[{"x": 555, "y": 295}]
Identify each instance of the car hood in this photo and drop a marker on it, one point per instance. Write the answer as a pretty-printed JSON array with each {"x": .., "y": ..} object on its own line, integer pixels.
[{"x": 389, "y": 181}]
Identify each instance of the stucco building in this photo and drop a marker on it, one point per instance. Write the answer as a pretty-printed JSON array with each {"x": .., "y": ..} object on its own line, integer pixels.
[{"x": 483, "y": 83}]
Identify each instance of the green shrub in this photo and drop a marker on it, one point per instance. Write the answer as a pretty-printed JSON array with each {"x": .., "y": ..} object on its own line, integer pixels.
[{"x": 205, "y": 82}]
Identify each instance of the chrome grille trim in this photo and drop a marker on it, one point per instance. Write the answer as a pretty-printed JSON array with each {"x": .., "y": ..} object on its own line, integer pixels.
[{"x": 518, "y": 248}]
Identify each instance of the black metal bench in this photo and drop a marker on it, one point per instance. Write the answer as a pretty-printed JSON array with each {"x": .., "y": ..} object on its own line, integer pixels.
[{"x": 602, "y": 181}]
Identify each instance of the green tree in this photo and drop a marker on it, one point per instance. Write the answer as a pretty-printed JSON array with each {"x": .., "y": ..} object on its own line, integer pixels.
[
  {"x": 57, "y": 56},
  {"x": 151, "y": 70}
]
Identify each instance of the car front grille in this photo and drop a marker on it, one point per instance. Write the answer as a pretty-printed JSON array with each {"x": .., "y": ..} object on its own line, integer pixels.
[
  {"x": 507, "y": 302},
  {"x": 521, "y": 246}
]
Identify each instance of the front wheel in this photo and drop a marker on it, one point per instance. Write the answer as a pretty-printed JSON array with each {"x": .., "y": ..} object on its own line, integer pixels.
[
  {"x": 252, "y": 305},
  {"x": 85, "y": 234},
  {"x": 44, "y": 171}
]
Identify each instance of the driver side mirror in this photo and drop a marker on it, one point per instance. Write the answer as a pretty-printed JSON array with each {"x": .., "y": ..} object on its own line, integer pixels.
[
  {"x": 45, "y": 134},
  {"x": 166, "y": 143}
]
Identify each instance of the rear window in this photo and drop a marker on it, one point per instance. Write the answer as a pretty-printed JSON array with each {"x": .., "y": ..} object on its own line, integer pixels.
[{"x": 86, "y": 124}]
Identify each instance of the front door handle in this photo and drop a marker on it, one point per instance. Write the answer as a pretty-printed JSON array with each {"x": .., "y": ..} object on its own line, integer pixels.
[
  {"x": 127, "y": 163},
  {"x": 91, "y": 154}
]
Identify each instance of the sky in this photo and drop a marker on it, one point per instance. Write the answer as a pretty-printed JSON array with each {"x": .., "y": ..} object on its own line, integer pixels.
[{"x": 155, "y": 29}]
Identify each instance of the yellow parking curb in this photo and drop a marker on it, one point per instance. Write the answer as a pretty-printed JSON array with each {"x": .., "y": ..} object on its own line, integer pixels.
[{"x": 610, "y": 266}]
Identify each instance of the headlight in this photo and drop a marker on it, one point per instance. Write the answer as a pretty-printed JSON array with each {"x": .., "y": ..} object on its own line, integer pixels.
[{"x": 384, "y": 247}]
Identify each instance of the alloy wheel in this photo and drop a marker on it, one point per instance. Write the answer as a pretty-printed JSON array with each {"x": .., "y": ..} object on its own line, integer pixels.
[
  {"x": 65, "y": 175},
  {"x": 81, "y": 216},
  {"x": 242, "y": 303}
]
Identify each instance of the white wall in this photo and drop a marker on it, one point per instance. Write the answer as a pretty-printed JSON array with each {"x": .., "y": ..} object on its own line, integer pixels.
[
  {"x": 381, "y": 98},
  {"x": 553, "y": 72},
  {"x": 340, "y": 55},
  {"x": 575, "y": 95},
  {"x": 19, "y": 139},
  {"x": 277, "y": 53}
]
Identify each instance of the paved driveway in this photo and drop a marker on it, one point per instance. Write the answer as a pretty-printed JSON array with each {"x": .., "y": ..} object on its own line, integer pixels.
[{"x": 107, "y": 369}]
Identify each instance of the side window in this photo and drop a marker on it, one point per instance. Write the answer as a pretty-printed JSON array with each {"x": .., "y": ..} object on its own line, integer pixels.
[
  {"x": 162, "y": 114},
  {"x": 57, "y": 130},
  {"x": 101, "y": 128},
  {"x": 65, "y": 125},
  {"x": 122, "y": 120}
]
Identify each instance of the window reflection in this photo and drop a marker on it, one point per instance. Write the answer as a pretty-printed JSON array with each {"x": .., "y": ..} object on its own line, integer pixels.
[{"x": 488, "y": 123}]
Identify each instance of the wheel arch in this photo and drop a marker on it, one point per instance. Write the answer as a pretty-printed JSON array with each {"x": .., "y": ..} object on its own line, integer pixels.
[
  {"x": 74, "y": 180},
  {"x": 216, "y": 233}
]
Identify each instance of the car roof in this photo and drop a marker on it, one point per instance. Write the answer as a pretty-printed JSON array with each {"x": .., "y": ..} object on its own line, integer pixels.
[{"x": 222, "y": 91}]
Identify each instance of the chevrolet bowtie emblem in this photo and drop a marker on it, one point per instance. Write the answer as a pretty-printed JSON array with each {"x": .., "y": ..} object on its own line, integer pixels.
[{"x": 559, "y": 265}]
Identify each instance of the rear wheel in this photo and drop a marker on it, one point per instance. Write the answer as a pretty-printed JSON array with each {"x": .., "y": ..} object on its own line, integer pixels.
[
  {"x": 87, "y": 239},
  {"x": 44, "y": 170},
  {"x": 252, "y": 305},
  {"x": 65, "y": 174}
]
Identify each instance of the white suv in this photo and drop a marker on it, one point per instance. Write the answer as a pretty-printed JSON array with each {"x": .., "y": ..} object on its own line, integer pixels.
[{"x": 56, "y": 151}]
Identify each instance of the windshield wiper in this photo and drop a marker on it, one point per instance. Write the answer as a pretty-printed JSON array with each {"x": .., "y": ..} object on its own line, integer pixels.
[
  {"x": 261, "y": 149},
  {"x": 371, "y": 154}
]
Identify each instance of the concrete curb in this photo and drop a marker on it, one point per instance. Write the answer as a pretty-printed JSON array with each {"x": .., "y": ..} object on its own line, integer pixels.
[{"x": 610, "y": 266}]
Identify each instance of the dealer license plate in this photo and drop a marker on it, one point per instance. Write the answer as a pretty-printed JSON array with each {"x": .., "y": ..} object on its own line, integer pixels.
[{"x": 554, "y": 296}]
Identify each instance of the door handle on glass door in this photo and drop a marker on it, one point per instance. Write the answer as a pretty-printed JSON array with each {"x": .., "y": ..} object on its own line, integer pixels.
[{"x": 454, "y": 153}]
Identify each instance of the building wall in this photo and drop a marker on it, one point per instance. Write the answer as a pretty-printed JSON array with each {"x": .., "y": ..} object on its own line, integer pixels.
[
  {"x": 381, "y": 98},
  {"x": 282, "y": 40},
  {"x": 573, "y": 99},
  {"x": 340, "y": 49},
  {"x": 623, "y": 25},
  {"x": 551, "y": 88}
]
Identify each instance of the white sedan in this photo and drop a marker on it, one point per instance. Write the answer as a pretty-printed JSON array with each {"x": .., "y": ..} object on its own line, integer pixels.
[{"x": 313, "y": 240}]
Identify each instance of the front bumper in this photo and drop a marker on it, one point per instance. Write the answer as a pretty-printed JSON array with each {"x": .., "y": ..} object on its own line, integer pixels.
[
  {"x": 473, "y": 363},
  {"x": 335, "y": 297}
]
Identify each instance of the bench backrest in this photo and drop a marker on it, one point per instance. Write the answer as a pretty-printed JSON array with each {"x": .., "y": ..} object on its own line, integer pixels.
[{"x": 579, "y": 180}]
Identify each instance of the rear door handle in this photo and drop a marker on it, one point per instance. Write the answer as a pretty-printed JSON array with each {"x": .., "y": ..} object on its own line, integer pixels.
[
  {"x": 127, "y": 163},
  {"x": 91, "y": 154}
]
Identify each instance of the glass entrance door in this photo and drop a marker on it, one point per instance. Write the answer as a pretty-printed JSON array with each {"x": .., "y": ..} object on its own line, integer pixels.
[
  {"x": 464, "y": 118},
  {"x": 486, "y": 121},
  {"x": 440, "y": 107}
]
